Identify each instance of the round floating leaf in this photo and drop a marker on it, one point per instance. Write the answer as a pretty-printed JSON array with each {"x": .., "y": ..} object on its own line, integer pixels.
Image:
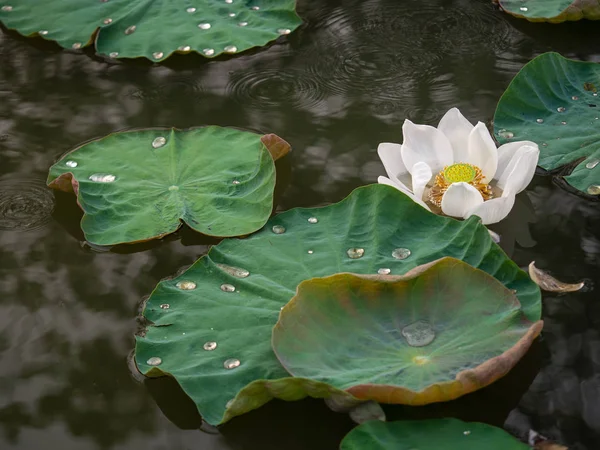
[
  {"x": 437, "y": 434},
  {"x": 554, "y": 102},
  {"x": 153, "y": 29},
  {"x": 140, "y": 185},
  {"x": 213, "y": 324},
  {"x": 441, "y": 331},
  {"x": 554, "y": 11}
]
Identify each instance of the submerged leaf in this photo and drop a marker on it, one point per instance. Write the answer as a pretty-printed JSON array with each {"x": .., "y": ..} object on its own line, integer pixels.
[
  {"x": 435, "y": 434},
  {"x": 549, "y": 283},
  {"x": 154, "y": 29},
  {"x": 140, "y": 185},
  {"x": 295, "y": 246},
  {"x": 552, "y": 103},
  {"x": 441, "y": 331}
]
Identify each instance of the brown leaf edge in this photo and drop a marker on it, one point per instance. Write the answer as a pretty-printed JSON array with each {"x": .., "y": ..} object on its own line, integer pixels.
[
  {"x": 276, "y": 146},
  {"x": 467, "y": 381},
  {"x": 550, "y": 284}
]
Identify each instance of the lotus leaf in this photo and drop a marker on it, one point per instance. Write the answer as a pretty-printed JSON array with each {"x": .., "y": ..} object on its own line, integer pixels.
[
  {"x": 554, "y": 11},
  {"x": 440, "y": 331},
  {"x": 140, "y": 185},
  {"x": 554, "y": 102},
  {"x": 153, "y": 29},
  {"x": 436, "y": 434},
  {"x": 212, "y": 325}
]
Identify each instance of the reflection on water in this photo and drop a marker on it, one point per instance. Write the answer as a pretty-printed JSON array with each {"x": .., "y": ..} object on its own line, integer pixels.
[{"x": 334, "y": 89}]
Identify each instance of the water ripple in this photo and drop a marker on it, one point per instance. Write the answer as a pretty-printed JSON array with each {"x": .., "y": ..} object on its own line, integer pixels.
[{"x": 24, "y": 204}]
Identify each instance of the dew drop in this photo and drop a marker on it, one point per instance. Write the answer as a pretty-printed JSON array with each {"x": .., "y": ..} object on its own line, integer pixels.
[
  {"x": 186, "y": 285},
  {"x": 7, "y": 8},
  {"x": 159, "y": 142},
  {"x": 312, "y": 220},
  {"x": 401, "y": 253},
  {"x": 234, "y": 271},
  {"x": 466, "y": 432},
  {"x": 243, "y": 24},
  {"x": 184, "y": 48},
  {"x": 130, "y": 30},
  {"x": 154, "y": 361},
  {"x": 43, "y": 32},
  {"x": 228, "y": 287},
  {"x": 113, "y": 54},
  {"x": 103, "y": 178},
  {"x": 355, "y": 253},
  {"x": 107, "y": 21},
  {"x": 76, "y": 45},
  {"x": 561, "y": 109},
  {"x": 284, "y": 31},
  {"x": 574, "y": 98},
  {"x": 157, "y": 55},
  {"x": 544, "y": 144},
  {"x": 524, "y": 8},
  {"x": 204, "y": 26},
  {"x": 506, "y": 134},
  {"x": 235, "y": 182},
  {"x": 232, "y": 14},
  {"x": 229, "y": 404},
  {"x": 230, "y": 49},
  {"x": 563, "y": 123},
  {"x": 384, "y": 271},
  {"x": 594, "y": 189},
  {"x": 191, "y": 10},
  {"x": 71, "y": 164},
  {"x": 231, "y": 363},
  {"x": 592, "y": 164},
  {"x": 310, "y": 252},
  {"x": 278, "y": 229},
  {"x": 229, "y": 1},
  {"x": 208, "y": 51},
  {"x": 255, "y": 8},
  {"x": 539, "y": 120},
  {"x": 418, "y": 334},
  {"x": 209, "y": 346}
]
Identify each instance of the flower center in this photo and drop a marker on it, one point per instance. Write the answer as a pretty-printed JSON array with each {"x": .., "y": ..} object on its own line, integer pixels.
[
  {"x": 461, "y": 172},
  {"x": 458, "y": 173}
]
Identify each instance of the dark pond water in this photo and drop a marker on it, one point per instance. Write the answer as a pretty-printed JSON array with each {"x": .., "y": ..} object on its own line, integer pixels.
[{"x": 334, "y": 89}]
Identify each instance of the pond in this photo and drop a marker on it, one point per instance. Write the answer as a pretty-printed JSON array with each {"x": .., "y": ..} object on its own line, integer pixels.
[{"x": 334, "y": 89}]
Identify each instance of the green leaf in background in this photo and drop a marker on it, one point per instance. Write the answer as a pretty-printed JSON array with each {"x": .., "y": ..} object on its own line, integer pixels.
[
  {"x": 139, "y": 185},
  {"x": 436, "y": 434},
  {"x": 440, "y": 331},
  {"x": 554, "y": 102},
  {"x": 553, "y": 11},
  {"x": 153, "y": 29},
  {"x": 213, "y": 324}
]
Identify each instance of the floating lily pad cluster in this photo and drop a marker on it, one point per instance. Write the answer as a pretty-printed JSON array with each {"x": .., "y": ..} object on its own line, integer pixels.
[
  {"x": 446, "y": 434},
  {"x": 153, "y": 29},
  {"x": 139, "y": 185},
  {"x": 553, "y": 11},
  {"x": 213, "y": 325},
  {"x": 555, "y": 102}
]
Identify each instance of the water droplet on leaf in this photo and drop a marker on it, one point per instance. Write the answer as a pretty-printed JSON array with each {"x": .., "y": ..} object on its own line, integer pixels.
[
  {"x": 165, "y": 306},
  {"x": 204, "y": 26},
  {"x": 228, "y": 287},
  {"x": 313, "y": 220},
  {"x": 234, "y": 271},
  {"x": 130, "y": 29},
  {"x": 355, "y": 253},
  {"x": 401, "y": 253},
  {"x": 154, "y": 361},
  {"x": 418, "y": 334},
  {"x": 561, "y": 109},
  {"x": 278, "y": 229},
  {"x": 159, "y": 142},
  {"x": 592, "y": 164},
  {"x": 186, "y": 285},
  {"x": 209, "y": 346},
  {"x": 384, "y": 271},
  {"x": 102, "y": 178},
  {"x": 71, "y": 164},
  {"x": 231, "y": 363}
]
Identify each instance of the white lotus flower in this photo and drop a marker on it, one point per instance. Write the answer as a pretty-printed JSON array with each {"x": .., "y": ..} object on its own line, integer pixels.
[{"x": 457, "y": 168}]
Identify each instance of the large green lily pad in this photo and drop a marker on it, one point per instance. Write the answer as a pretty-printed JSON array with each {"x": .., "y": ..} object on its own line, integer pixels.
[
  {"x": 437, "y": 434},
  {"x": 139, "y": 185},
  {"x": 438, "y": 332},
  {"x": 270, "y": 265},
  {"x": 153, "y": 28},
  {"x": 554, "y": 11},
  {"x": 554, "y": 102}
]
